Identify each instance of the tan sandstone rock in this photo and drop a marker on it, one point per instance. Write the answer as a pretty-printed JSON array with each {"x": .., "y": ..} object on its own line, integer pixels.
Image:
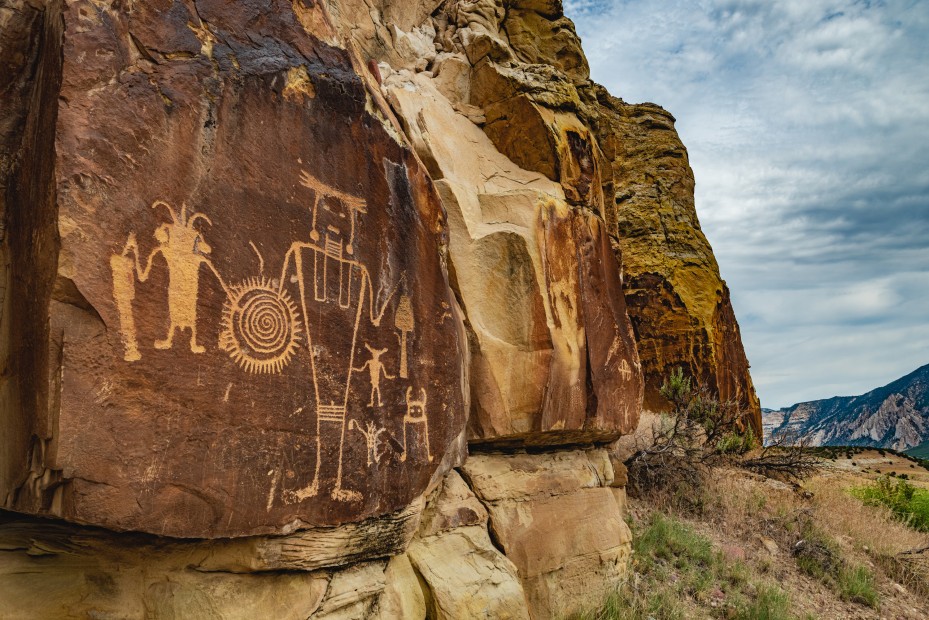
[
  {"x": 678, "y": 303},
  {"x": 556, "y": 519},
  {"x": 58, "y": 570},
  {"x": 465, "y": 575},
  {"x": 552, "y": 354},
  {"x": 624, "y": 161},
  {"x": 403, "y": 597}
]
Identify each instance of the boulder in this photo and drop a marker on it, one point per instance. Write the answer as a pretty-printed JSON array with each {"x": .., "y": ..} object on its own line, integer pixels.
[
  {"x": 546, "y": 37},
  {"x": 403, "y": 597},
  {"x": 465, "y": 575},
  {"x": 227, "y": 317},
  {"x": 556, "y": 518},
  {"x": 552, "y": 142}
]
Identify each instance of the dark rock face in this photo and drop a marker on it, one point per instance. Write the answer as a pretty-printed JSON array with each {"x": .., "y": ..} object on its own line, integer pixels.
[{"x": 249, "y": 325}]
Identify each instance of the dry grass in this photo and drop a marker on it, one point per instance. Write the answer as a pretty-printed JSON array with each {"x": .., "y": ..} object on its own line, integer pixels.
[
  {"x": 767, "y": 518},
  {"x": 872, "y": 529},
  {"x": 737, "y": 499}
]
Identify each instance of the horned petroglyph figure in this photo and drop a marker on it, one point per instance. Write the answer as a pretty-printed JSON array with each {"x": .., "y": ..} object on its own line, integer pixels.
[
  {"x": 184, "y": 250},
  {"x": 416, "y": 416},
  {"x": 375, "y": 369}
]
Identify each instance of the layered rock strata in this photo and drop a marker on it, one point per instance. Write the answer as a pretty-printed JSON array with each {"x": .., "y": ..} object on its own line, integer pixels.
[
  {"x": 556, "y": 517},
  {"x": 52, "y": 570},
  {"x": 894, "y": 416},
  {"x": 679, "y": 305},
  {"x": 553, "y": 360},
  {"x": 517, "y": 70}
]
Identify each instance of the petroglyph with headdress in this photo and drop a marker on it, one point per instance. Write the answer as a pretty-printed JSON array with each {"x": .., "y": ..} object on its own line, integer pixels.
[{"x": 316, "y": 308}]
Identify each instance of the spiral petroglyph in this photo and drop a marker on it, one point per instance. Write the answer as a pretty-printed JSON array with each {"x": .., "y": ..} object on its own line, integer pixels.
[{"x": 260, "y": 327}]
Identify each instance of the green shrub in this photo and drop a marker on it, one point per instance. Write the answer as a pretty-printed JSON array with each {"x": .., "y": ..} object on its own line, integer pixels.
[
  {"x": 907, "y": 502},
  {"x": 817, "y": 554},
  {"x": 679, "y": 568}
]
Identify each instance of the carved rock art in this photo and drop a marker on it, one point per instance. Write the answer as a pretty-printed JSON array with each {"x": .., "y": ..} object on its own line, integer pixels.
[
  {"x": 194, "y": 369},
  {"x": 416, "y": 417},
  {"x": 261, "y": 328},
  {"x": 404, "y": 323},
  {"x": 372, "y": 436},
  {"x": 376, "y": 369},
  {"x": 184, "y": 251}
]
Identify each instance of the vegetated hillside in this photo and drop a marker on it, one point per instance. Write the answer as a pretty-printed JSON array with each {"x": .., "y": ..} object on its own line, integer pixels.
[
  {"x": 750, "y": 547},
  {"x": 921, "y": 451},
  {"x": 893, "y": 416}
]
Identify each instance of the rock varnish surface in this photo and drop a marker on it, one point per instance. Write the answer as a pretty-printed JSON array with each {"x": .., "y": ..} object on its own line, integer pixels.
[{"x": 249, "y": 323}]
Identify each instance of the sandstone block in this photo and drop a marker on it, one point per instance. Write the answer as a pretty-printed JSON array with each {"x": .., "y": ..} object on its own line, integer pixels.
[
  {"x": 499, "y": 477},
  {"x": 59, "y": 570},
  {"x": 465, "y": 576},
  {"x": 545, "y": 85},
  {"x": 453, "y": 78},
  {"x": 568, "y": 541},
  {"x": 453, "y": 505},
  {"x": 555, "y": 143},
  {"x": 403, "y": 597},
  {"x": 229, "y": 312},
  {"x": 536, "y": 38},
  {"x": 353, "y": 593}
]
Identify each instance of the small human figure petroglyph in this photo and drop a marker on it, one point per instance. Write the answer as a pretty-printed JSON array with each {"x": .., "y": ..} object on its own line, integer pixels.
[
  {"x": 372, "y": 439},
  {"x": 416, "y": 414},
  {"x": 184, "y": 250},
  {"x": 375, "y": 368},
  {"x": 624, "y": 370}
]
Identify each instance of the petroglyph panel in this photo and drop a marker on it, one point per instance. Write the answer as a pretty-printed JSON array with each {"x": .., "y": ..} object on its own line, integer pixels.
[{"x": 264, "y": 337}]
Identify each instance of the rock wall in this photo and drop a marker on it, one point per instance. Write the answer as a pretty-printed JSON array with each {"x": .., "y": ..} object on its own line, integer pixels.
[
  {"x": 679, "y": 305},
  {"x": 272, "y": 270},
  {"x": 517, "y": 70}
]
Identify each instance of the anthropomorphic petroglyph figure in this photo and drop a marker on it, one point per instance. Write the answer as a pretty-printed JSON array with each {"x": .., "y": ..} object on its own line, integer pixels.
[
  {"x": 375, "y": 369},
  {"x": 624, "y": 370},
  {"x": 123, "y": 268},
  {"x": 372, "y": 439},
  {"x": 416, "y": 415},
  {"x": 184, "y": 250},
  {"x": 335, "y": 292}
]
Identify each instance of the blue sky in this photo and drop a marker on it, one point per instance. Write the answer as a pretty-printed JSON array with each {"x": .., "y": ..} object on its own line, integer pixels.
[{"x": 807, "y": 124}]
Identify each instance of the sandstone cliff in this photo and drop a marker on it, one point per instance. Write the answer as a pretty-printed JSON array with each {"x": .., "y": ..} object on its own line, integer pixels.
[
  {"x": 271, "y": 270},
  {"x": 517, "y": 69},
  {"x": 679, "y": 305}
]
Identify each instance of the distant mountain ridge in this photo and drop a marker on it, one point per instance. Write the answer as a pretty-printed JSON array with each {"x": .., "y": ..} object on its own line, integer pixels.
[{"x": 893, "y": 416}]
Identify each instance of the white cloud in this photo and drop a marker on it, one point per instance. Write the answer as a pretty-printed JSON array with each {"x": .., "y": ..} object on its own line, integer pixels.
[{"x": 807, "y": 124}]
